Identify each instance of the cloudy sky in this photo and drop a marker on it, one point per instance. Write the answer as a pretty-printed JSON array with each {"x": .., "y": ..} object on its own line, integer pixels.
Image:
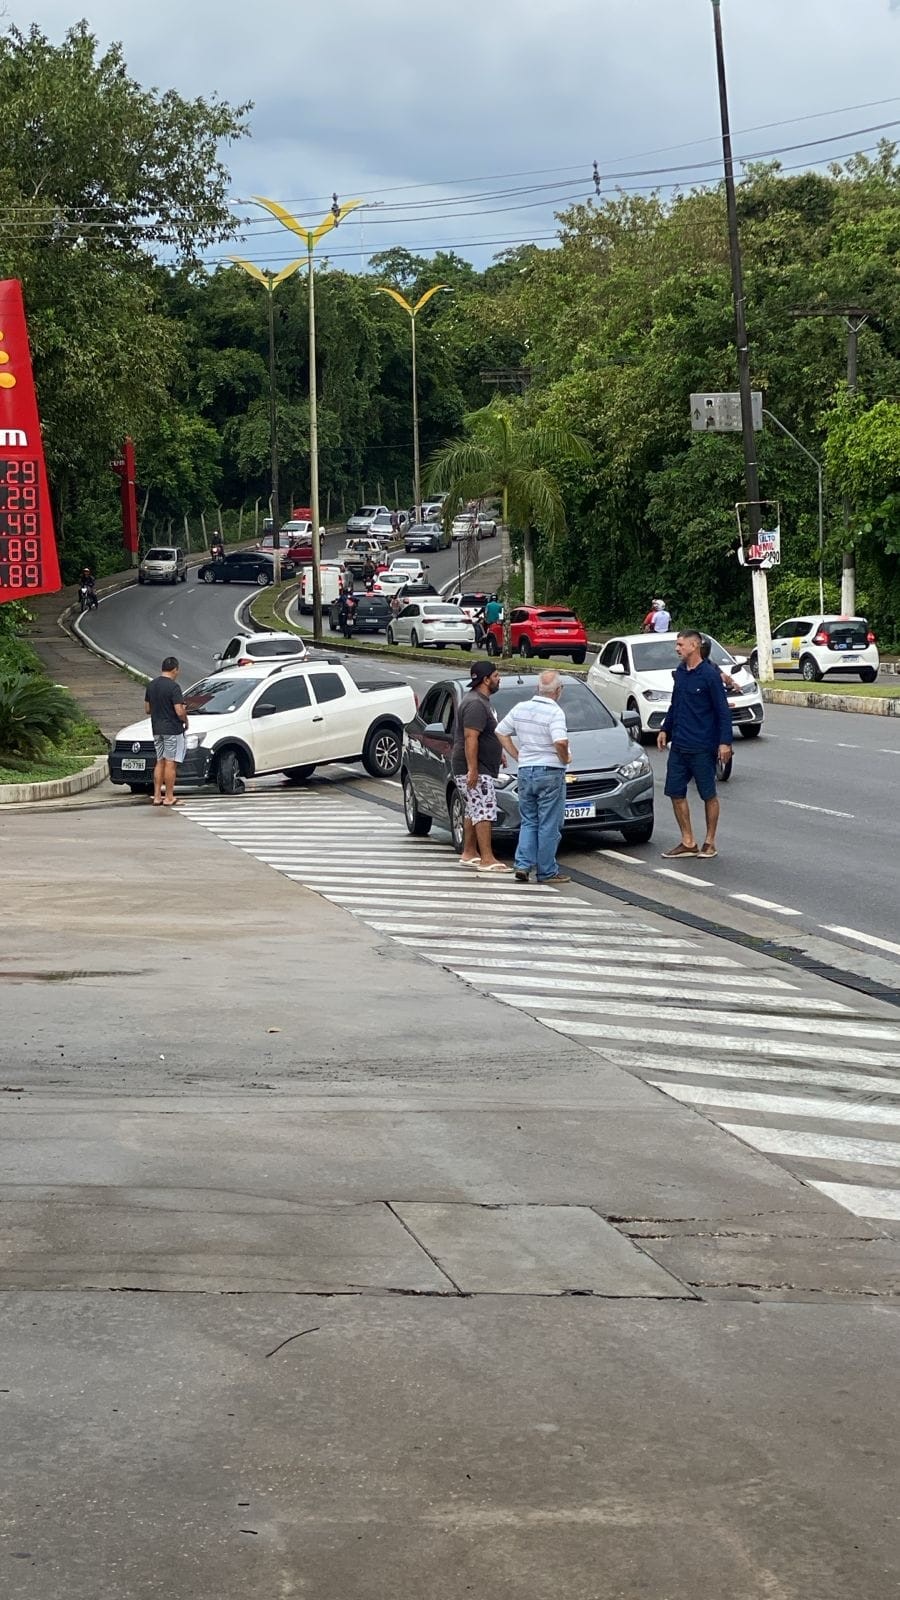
[{"x": 449, "y": 119}]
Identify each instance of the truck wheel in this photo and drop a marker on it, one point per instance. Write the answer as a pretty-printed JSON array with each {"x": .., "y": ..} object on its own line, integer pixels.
[
  {"x": 228, "y": 773},
  {"x": 416, "y": 821},
  {"x": 300, "y": 774},
  {"x": 382, "y": 751}
]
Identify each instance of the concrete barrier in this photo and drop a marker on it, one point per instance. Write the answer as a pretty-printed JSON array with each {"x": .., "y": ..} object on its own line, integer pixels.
[
  {"x": 813, "y": 700},
  {"x": 55, "y": 788}
]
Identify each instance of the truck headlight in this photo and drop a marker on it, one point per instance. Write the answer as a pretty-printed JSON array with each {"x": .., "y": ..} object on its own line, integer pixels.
[{"x": 193, "y": 741}]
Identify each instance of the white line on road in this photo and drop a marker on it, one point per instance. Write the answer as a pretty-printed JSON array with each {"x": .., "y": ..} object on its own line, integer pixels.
[
  {"x": 863, "y": 938},
  {"x": 772, "y": 1024},
  {"x": 823, "y": 811},
  {"x": 816, "y": 1146},
  {"x": 766, "y": 905},
  {"x": 685, "y": 877},
  {"x": 685, "y": 1040},
  {"x": 586, "y": 962},
  {"x": 625, "y": 991},
  {"x": 619, "y": 855},
  {"x": 782, "y": 1105},
  {"x": 763, "y": 1072},
  {"x": 568, "y": 937},
  {"x": 882, "y": 1205}
]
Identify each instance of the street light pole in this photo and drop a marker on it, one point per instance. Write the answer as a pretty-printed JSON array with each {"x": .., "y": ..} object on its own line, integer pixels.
[
  {"x": 412, "y": 312},
  {"x": 820, "y": 473},
  {"x": 751, "y": 475}
]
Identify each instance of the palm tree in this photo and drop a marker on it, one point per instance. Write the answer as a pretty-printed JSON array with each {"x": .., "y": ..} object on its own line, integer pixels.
[{"x": 503, "y": 455}]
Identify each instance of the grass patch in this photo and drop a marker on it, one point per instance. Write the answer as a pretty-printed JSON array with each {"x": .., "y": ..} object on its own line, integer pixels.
[
  {"x": 75, "y": 751},
  {"x": 880, "y": 690}
]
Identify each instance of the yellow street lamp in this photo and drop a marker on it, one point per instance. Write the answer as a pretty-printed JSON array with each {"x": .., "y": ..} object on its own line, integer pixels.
[
  {"x": 270, "y": 282},
  {"x": 413, "y": 312},
  {"x": 311, "y": 237}
]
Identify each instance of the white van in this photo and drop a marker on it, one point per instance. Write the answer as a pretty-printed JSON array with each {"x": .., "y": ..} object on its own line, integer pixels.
[{"x": 331, "y": 577}]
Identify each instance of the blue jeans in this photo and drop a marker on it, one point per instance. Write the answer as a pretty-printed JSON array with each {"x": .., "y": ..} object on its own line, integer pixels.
[{"x": 542, "y": 799}]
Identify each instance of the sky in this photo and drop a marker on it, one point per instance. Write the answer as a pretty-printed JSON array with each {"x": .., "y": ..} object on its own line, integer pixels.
[{"x": 467, "y": 126}]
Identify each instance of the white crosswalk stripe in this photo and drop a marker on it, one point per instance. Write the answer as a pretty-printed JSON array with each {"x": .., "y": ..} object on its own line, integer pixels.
[{"x": 714, "y": 1032}]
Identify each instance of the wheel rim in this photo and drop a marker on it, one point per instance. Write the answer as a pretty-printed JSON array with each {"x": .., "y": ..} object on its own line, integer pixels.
[
  {"x": 409, "y": 803},
  {"x": 457, "y": 821},
  {"x": 525, "y": 648},
  {"x": 262, "y": 579},
  {"x": 209, "y": 577},
  {"x": 386, "y": 752}
]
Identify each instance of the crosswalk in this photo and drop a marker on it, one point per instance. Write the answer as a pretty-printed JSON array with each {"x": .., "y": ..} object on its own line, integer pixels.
[{"x": 783, "y": 1066}]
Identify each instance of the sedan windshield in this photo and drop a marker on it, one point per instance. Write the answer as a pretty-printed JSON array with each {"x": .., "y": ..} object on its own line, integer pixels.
[
  {"x": 214, "y": 697},
  {"x": 660, "y": 655},
  {"x": 582, "y": 708}
]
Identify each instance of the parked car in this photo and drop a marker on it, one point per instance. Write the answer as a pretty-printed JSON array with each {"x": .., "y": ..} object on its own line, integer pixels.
[
  {"x": 541, "y": 631},
  {"x": 609, "y": 786},
  {"x": 433, "y": 509},
  {"x": 373, "y": 613},
  {"x": 425, "y": 622},
  {"x": 331, "y": 584},
  {"x": 245, "y": 566},
  {"x": 633, "y": 672},
  {"x": 426, "y": 536},
  {"x": 361, "y": 520},
  {"x": 268, "y": 718},
  {"x": 163, "y": 563},
  {"x": 249, "y": 649},
  {"x": 817, "y": 646}
]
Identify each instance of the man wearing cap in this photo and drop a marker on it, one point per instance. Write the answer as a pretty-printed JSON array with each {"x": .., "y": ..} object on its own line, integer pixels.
[
  {"x": 541, "y": 748},
  {"x": 475, "y": 761}
]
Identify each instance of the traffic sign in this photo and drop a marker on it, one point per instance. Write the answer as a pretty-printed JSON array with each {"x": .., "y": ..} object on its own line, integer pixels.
[{"x": 721, "y": 413}]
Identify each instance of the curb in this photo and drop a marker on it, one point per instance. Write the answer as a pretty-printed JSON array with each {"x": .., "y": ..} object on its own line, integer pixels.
[
  {"x": 55, "y": 788},
  {"x": 872, "y": 707}
]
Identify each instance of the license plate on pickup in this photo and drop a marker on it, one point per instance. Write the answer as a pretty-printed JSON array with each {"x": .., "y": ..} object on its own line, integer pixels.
[
  {"x": 134, "y": 764},
  {"x": 580, "y": 813}
]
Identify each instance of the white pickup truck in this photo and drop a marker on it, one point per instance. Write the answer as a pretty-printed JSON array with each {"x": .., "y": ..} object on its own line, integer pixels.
[{"x": 267, "y": 718}]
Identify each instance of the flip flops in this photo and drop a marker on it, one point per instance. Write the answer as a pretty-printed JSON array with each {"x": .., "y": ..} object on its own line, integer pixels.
[{"x": 495, "y": 866}]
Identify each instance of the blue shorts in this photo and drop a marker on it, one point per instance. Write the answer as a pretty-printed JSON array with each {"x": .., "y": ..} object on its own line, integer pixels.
[{"x": 687, "y": 764}]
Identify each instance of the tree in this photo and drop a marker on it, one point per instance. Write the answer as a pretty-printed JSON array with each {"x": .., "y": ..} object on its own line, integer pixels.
[{"x": 505, "y": 455}]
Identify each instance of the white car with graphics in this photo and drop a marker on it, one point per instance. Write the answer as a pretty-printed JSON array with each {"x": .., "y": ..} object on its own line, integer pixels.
[
  {"x": 816, "y": 646},
  {"x": 633, "y": 672}
]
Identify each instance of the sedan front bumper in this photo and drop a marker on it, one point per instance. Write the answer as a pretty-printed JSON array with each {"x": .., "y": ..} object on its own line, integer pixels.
[{"x": 630, "y": 802}]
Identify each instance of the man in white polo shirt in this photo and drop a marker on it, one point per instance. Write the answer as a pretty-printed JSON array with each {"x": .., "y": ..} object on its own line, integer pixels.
[{"x": 535, "y": 734}]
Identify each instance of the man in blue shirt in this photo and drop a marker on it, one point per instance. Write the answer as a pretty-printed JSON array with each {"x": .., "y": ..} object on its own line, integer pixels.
[{"x": 697, "y": 730}]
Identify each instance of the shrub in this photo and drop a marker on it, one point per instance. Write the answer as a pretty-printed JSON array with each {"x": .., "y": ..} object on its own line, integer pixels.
[{"x": 33, "y": 713}]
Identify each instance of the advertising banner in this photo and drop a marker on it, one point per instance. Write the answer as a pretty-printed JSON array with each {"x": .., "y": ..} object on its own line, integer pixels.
[{"x": 28, "y": 559}]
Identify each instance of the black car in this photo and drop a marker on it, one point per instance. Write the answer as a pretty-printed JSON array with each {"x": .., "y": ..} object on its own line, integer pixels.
[
  {"x": 609, "y": 785},
  {"x": 373, "y": 613},
  {"x": 245, "y": 566}
]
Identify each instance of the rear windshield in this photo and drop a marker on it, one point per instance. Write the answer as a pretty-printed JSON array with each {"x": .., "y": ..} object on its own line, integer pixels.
[
  {"x": 264, "y": 649},
  {"x": 213, "y": 697},
  {"x": 367, "y": 511},
  {"x": 849, "y": 634},
  {"x": 582, "y": 708},
  {"x": 472, "y": 599},
  {"x": 443, "y": 611},
  {"x": 161, "y": 554},
  {"x": 557, "y": 616},
  {"x": 660, "y": 655}
]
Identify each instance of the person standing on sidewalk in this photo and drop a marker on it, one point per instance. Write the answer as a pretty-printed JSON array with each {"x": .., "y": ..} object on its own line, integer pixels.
[
  {"x": 164, "y": 705},
  {"x": 541, "y": 748},
  {"x": 698, "y": 731},
  {"x": 475, "y": 761}
]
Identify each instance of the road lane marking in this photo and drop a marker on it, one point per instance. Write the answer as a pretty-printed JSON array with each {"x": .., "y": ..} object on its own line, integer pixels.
[
  {"x": 677, "y": 1039},
  {"x": 476, "y": 930},
  {"x": 764, "y": 1072},
  {"x": 766, "y": 905},
  {"x": 601, "y": 960},
  {"x": 619, "y": 855},
  {"x": 685, "y": 877},
  {"x": 817, "y": 1146},
  {"x": 823, "y": 811},
  {"x": 773, "y": 1024},
  {"x": 864, "y": 938},
  {"x": 782, "y": 1105},
  {"x": 622, "y": 991},
  {"x": 882, "y": 1205}
]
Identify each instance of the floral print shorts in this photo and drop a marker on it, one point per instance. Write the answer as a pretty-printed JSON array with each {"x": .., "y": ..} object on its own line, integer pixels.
[{"x": 480, "y": 802}]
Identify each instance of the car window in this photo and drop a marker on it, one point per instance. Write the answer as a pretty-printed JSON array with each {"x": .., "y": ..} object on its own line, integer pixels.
[
  {"x": 328, "y": 686},
  {"x": 519, "y": 616},
  {"x": 410, "y": 611},
  {"x": 442, "y": 611},
  {"x": 233, "y": 647},
  {"x": 556, "y": 616},
  {"x": 660, "y": 655},
  {"x": 429, "y": 710},
  {"x": 267, "y": 649},
  {"x": 848, "y": 634},
  {"x": 786, "y": 630},
  {"x": 286, "y": 694},
  {"x": 213, "y": 697},
  {"x": 613, "y": 654},
  {"x": 235, "y": 557}
]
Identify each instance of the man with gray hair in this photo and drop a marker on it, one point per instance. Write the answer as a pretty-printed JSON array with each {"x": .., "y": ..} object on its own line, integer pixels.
[{"x": 534, "y": 733}]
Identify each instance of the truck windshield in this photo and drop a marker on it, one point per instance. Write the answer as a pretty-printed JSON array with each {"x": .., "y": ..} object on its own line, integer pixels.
[{"x": 213, "y": 697}]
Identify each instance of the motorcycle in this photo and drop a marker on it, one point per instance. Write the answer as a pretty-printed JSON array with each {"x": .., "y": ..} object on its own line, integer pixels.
[
  {"x": 348, "y": 616},
  {"x": 87, "y": 597}
]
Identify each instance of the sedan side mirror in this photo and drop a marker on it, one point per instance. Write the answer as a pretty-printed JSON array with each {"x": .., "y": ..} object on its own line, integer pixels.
[
  {"x": 218, "y": 657},
  {"x": 264, "y": 708},
  {"x": 617, "y": 668},
  {"x": 632, "y": 721}
]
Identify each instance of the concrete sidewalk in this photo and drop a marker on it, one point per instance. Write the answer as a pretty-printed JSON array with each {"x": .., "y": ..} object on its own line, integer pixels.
[
  {"x": 326, "y": 1277},
  {"x": 108, "y": 695}
]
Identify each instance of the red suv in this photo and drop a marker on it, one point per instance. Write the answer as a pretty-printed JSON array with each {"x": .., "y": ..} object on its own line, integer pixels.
[{"x": 541, "y": 631}]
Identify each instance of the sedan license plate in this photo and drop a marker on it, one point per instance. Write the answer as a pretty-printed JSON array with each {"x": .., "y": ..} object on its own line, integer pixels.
[
  {"x": 134, "y": 765},
  {"x": 580, "y": 813}
]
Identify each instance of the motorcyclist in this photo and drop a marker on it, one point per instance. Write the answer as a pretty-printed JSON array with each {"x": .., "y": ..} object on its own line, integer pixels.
[
  {"x": 87, "y": 592},
  {"x": 347, "y": 613}
]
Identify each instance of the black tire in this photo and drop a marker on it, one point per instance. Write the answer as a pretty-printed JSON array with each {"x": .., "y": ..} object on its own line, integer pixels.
[
  {"x": 751, "y": 731},
  {"x": 141, "y": 578},
  {"x": 526, "y": 648},
  {"x": 724, "y": 769},
  {"x": 414, "y": 639},
  {"x": 753, "y": 664},
  {"x": 263, "y": 579},
  {"x": 300, "y": 774},
  {"x": 416, "y": 821},
  {"x": 229, "y": 778},
  {"x": 209, "y": 577},
  {"x": 141, "y": 788},
  {"x": 184, "y": 576},
  {"x": 866, "y": 674},
  {"x": 809, "y": 672},
  {"x": 456, "y": 814},
  {"x": 468, "y": 647},
  {"x": 637, "y": 832},
  {"x": 490, "y": 645},
  {"x": 174, "y": 579},
  {"x": 439, "y": 645},
  {"x": 578, "y": 656},
  {"x": 382, "y": 751},
  {"x": 389, "y": 636}
]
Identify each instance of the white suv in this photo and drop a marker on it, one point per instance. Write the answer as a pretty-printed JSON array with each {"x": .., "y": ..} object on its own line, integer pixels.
[{"x": 818, "y": 646}]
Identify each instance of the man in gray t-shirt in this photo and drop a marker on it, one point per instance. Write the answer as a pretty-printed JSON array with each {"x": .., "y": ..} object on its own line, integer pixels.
[{"x": 164, "y": 705}]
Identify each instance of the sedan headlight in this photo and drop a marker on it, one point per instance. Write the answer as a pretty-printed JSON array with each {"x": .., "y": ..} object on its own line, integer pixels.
[
  {"x": 193, "y": 741},
  {"x": 634, "y": 769},
  {"x": 656, "y": 694}
]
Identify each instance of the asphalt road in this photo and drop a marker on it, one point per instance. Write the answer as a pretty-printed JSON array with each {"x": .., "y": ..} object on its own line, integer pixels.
[{"x": 809, "y": 828}]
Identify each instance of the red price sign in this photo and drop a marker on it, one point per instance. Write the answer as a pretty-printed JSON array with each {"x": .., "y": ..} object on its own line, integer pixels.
[{"x": 28, "y": 559}]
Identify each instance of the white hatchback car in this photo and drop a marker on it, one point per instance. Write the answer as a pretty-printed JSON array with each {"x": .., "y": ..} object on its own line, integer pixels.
[
  {"x": 634, "y": 673},
  {"x": 249, "y": 650},
  {"x": 434, "y": 622},
  {"x": 817, "y": 646}
]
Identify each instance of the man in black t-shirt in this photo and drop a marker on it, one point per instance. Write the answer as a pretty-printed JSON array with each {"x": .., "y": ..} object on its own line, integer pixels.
[
  {"x": 475, "y": 761},
  {"x": 164, "y": 705}
]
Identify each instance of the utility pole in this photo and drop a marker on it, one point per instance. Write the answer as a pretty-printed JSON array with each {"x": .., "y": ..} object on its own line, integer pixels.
[
  {"x": 273, "y": 438},
  {"x": 751, "y": 475}
]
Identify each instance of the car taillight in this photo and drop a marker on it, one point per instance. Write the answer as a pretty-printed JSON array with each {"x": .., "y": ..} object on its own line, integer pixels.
[
  {"x": 822, "y": 637},
  {"x": 245, "y": 661},
  {"x": 870, "y": 637}
]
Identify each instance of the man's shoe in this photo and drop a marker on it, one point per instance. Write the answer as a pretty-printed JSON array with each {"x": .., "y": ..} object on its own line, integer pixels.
[
  {"x": 521, "y": 876},
  {"x": 558, "y": 877}
]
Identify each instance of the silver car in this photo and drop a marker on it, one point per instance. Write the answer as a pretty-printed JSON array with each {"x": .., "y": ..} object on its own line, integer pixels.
[
  {"x": 361, "y": 520},
  {"x": 164, "y": 563}
]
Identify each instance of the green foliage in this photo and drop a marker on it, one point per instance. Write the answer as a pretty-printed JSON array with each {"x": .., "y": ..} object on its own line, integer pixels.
[{"x": 33, "y": 714}]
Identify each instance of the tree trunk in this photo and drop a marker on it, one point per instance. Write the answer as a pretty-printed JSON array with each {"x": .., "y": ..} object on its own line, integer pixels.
[{"x": 528, "y": 565}]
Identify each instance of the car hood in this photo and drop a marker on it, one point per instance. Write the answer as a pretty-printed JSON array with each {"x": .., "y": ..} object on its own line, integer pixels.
[
  {"x": 595, "y": 749},
  {"x": 137, "y": 731}
]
